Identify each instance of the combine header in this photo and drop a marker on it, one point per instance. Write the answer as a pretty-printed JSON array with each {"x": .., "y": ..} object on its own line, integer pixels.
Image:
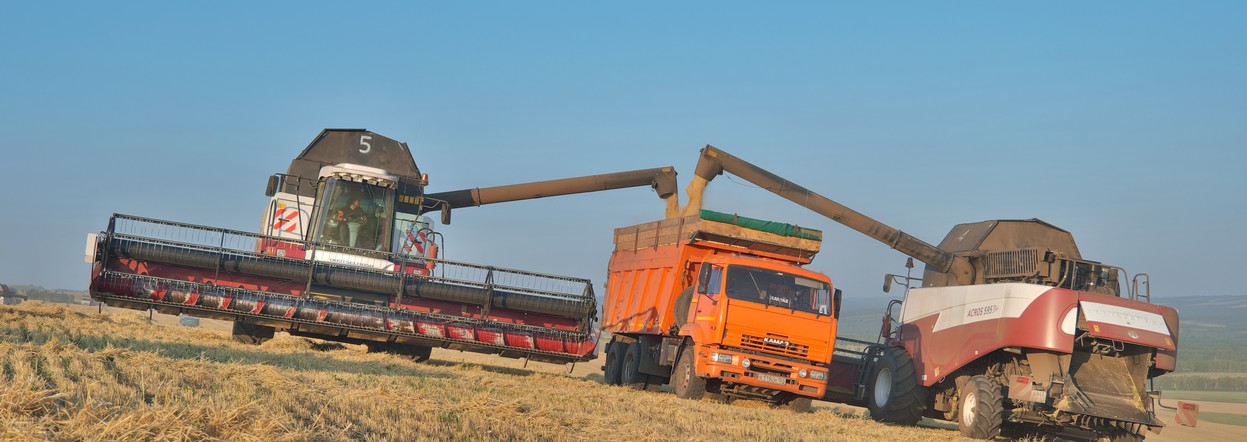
[{"x": 345, "y": 253}]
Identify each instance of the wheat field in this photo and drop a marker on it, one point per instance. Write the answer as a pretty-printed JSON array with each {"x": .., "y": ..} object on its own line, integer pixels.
[{"x": 69, "y": 375}]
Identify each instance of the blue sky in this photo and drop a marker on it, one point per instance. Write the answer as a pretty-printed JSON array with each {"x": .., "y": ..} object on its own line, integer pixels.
[{"x": 1123, "y": 122}]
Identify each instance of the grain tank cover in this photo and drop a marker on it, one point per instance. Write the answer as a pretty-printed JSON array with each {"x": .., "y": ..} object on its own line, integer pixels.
[
  {"x": 361, "y": 147},
  {"x": 1006, "y": 234}
]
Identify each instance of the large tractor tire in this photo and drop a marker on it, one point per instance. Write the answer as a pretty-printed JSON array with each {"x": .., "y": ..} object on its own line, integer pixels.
[
  {"x": 682, "y": 303},
  {"x": 630, "y": 372},
  {"x": 684, "y": 379},
  {"x": 894, "y": 395},
  {"x": 611, "y": 370},
  {"x": 981, "y": 408},
  {"x": 252, "y": 334}
]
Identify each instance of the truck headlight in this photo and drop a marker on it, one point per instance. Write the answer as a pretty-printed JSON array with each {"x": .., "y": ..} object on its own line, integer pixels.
[
  {"x": 745, "y": 362},
  {"x": 818, "y": 375},
  {"x": 803, "y": 372},
  {"x": 721, "y": 358}
]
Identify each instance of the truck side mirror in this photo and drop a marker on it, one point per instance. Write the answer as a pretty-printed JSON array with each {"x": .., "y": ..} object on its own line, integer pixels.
[
  {"x": 887, "y": 283},
  {"x": 703, "y": 279},
  {"x": 271, "y": 188},
  {"x": 909, "y": 262},
  {"x": 835, "y": 306},
  {"x": 446, "y": 214}
]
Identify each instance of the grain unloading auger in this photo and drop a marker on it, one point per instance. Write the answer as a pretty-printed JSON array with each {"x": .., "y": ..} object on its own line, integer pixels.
[
  {"x": 346, "y": 253},
  {"x": 1011, "y": 325}
]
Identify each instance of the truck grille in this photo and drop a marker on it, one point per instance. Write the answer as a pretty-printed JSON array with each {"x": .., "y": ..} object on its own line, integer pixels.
[{"x": 775, "y": 344}]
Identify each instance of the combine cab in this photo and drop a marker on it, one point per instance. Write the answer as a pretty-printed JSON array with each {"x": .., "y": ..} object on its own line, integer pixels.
[{"x": 345, "y": 253}]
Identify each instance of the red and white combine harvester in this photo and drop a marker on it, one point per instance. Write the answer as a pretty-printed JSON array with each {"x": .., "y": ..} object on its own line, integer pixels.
[
  {"x": 346, "y": 253},
  {"x": 1010, "y": 327}
]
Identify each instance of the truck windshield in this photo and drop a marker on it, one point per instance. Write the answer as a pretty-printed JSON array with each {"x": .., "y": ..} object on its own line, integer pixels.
[
  {"x": 778, "y": 289},
  {"x": 354, "y": 214}
]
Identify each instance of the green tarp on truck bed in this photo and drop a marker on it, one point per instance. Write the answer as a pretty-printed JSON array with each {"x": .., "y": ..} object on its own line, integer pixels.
[{"x": 775, "y": 227}]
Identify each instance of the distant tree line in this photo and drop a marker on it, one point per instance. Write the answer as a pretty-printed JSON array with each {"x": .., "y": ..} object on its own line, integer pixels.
[
  {"x": 1199, "y": 382},
  {"x": 42, "y": 294}
]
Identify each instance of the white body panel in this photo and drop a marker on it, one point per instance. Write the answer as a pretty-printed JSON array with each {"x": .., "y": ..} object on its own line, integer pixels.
[{"x": 967, "y": 304}]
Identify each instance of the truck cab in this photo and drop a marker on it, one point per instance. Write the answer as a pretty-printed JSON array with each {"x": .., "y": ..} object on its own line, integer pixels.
[{"x": 773, "y": 322}]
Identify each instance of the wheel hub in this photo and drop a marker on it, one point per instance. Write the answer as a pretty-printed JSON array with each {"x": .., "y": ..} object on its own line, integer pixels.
[{"x": 883, "y": 387}]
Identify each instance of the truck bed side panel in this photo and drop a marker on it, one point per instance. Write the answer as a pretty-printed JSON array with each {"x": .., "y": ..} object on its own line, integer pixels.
[{"x": 642, "y": 287}]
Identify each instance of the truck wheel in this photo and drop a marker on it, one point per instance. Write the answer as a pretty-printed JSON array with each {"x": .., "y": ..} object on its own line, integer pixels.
[
  {"x": 614, "y": 363},
  {"x": 799, "y": 404},
  {"x": 684, "y": 379},
  {"x": 252, "y": 334},
  {"x": 982, "y": 408},
  {"x": 630, "y": 373},
  {"x": 894, "y": 395},
  {"x": 682, "y": 303}
]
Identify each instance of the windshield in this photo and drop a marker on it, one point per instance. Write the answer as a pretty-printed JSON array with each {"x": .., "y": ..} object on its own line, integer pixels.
[
  {"x": 778, "y": 289},
  {"x": 354, "y": 215}
]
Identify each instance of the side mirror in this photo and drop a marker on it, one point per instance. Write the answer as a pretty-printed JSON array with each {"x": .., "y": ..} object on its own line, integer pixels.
[
  {"x": 271, "y": 188},
  {"x": 446, "y": 214},
  {"x": 909, "y": 262},
  {"x": 703, "y": 279},
  {"x": 887, "y": 283},
  {"x": 837, "y": 296}
]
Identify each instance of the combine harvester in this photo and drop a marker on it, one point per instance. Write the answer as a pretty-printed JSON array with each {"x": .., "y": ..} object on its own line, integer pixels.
[
  {"x": 1010, "y": 326},
  {"x": 346, "y": 254}
]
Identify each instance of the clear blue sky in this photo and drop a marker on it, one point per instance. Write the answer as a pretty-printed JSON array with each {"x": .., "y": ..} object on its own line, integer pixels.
[{"x": 1123, "y": 122}]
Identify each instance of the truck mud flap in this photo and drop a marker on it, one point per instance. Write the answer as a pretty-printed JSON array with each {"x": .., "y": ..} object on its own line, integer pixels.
[{"x": 1105, "y": 386}]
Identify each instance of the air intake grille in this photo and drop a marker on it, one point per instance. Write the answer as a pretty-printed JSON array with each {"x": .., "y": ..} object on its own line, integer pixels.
[
  {"x": 775, "y": 344},
  {"x": 1013, "y": 263}
]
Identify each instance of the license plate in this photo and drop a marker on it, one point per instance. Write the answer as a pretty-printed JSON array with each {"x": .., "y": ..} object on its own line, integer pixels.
[{"x": 772, "y": 379}]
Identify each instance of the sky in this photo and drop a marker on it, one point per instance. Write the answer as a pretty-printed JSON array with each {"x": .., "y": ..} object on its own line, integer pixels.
[{"x": 1122, "y": 122}]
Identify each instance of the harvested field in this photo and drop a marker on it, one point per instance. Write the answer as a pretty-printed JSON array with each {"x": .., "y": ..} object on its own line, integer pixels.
[
  {"x": 71, "y": 374},
  {"x": 82, "y": 376}
]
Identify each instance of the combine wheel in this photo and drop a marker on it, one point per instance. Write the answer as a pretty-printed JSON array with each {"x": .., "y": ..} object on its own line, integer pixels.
[
  {"x": 614, "y": 363},
  {"x": 684, "y": 379},
  {"x": 417, "y": 353},
  {"x": 982, "y": 408},
  {"x": 251, "y": 333},
  {"x": 630, "y": 372},
  {"x": 894, "y": 395}
]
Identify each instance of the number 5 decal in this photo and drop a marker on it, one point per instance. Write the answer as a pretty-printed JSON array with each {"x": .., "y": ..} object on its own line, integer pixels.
[{"x": 363, "y": 141}]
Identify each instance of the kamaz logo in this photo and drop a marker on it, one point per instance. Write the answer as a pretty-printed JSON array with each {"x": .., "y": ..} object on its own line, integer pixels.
[{"x": 774, "y": 341}]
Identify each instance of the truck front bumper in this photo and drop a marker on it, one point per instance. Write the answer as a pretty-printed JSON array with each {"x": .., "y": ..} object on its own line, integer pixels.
[{"x": 762, "y": 371}]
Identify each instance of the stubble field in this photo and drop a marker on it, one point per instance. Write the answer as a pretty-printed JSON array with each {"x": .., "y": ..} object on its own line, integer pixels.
[{"x": 77, "y": 375}]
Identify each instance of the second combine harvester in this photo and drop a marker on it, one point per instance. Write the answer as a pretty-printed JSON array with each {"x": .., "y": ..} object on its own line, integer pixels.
[{"x": 1010, "y": 325}]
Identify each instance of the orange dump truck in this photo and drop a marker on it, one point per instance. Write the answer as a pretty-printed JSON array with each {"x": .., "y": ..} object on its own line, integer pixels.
[{"x": 717, "y": 304}]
